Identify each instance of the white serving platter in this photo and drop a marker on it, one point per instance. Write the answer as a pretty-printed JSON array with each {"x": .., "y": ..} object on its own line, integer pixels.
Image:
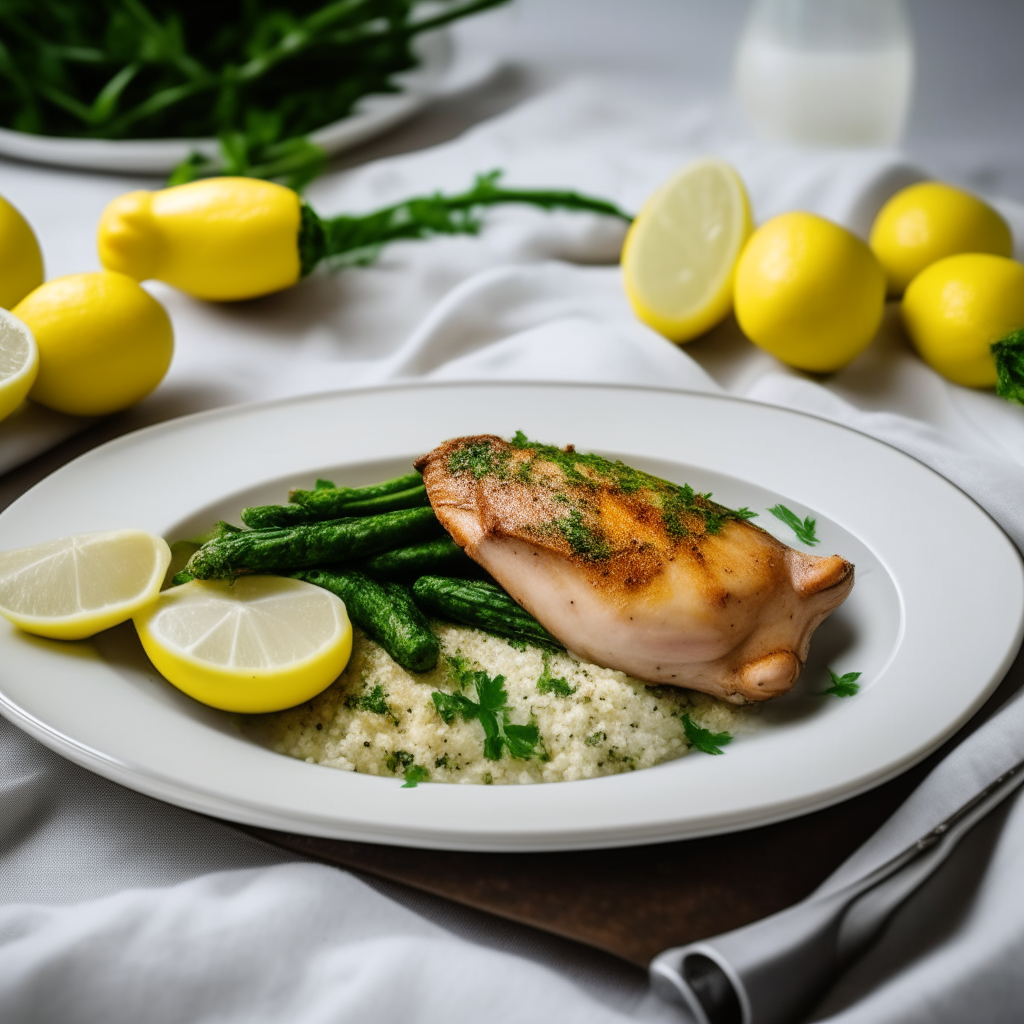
[
  {"x": 373, "y": 115},
  {"x": 932, "y": 624}
]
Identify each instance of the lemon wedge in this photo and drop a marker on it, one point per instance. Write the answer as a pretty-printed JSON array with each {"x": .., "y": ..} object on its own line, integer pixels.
[
  {"x": 259, "y": 643},
  {"x": 19, "y": 362},
  {"x": 73, "y": 587},
  {"x": 681, "y": 251}
]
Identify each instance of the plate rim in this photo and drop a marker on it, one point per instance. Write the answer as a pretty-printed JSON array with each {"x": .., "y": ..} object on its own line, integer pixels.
[{"x": 104, "y": 764}]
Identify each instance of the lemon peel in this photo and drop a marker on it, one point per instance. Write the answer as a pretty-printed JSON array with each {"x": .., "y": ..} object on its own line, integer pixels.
[
  {"x": 929, "y": 221},
  {"x": 104, "y": 342},
  {"x": 809, "y": 292},
  {"x": 957, "y": 308},
  {"x": 19, "y": 362},
  {"x": 74, "y": 587},
  {"x": 257, "y": 644}
]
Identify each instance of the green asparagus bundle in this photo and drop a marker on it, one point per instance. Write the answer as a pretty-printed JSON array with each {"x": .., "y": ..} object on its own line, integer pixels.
[{"x": 363, "y": 544}]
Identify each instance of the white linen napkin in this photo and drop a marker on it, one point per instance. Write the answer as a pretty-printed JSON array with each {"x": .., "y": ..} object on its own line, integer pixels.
[{"x": 307, "y": 944}]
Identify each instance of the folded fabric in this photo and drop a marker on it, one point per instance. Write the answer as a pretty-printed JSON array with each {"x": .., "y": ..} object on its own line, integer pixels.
[{"x": 307, "y": 944}]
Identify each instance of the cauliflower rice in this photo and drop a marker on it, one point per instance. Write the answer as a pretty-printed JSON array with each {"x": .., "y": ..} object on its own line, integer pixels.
[{"x": 379, "y": 719}]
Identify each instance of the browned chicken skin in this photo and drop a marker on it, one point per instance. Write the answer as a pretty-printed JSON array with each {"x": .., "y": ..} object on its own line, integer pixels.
[{"x": 632, "y": 572}]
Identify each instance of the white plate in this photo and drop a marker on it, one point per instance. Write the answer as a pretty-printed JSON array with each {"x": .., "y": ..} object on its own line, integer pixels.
[
  {"x": 373, "y": 115},
  {"x": 933, "y": 622}
]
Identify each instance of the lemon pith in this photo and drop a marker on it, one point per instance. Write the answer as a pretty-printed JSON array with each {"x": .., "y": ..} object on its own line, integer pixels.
[
  {"x": 809, "y": 292},
  {"x": 19, "y": 362},
  {"x": 929, "y": 221},
  {"x": 104, "y": 342},
  {"x": 956, "y": 308},
  {"x": 74, "y": 587},
  {"x": 262, "y": 643},
  {"x": 681, "y": 250}
]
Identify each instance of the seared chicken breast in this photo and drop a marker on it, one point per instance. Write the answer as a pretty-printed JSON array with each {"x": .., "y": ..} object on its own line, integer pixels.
[{"x": 632, "y": 572}]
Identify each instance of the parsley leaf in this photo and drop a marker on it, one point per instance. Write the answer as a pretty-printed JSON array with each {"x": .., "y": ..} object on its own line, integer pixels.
[
  {"x": 842, "y": 686},
  {"x": 550, "y": 684},
  {"x": 491, "y": 710},
  {"x": 704, "y": 739},
  {"x": 804, "y": 530},
  {"x": 414, "y": 774}
]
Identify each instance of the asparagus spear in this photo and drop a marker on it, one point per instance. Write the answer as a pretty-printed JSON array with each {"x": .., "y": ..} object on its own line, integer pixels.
[
  {"x": 315, "y": 544},
  {"x": 483, "y": 605},
  {"x": 386, "y": 613}
]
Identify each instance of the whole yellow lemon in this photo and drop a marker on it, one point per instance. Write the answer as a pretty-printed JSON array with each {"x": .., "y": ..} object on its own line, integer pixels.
[
  {"x": 21, "y": 262},
  {"x": 956, "y": 308},
  {"x": 809, "y": 292},
  {"x": 104, "y": 342},
  {"x": 929, "y": 221}
]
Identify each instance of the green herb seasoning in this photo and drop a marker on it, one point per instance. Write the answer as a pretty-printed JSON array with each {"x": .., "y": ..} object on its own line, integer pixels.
[
  {"x": 550, "y": 684},
  {"x": 376, "y": 702},
  {"x": 704, "y": 739},
  {"x": 842, "y": 686},
  {"x": 491, "y": 710},
  {"x": 804, "y": 529},
  {"x": 577, "y": 484}
]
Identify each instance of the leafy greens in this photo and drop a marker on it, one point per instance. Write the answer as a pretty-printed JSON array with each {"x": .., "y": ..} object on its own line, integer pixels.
[
  {"x": 491, "y": 709},
  {"x": 804, "y": 530},
  {"x": 258, "y": 75}
]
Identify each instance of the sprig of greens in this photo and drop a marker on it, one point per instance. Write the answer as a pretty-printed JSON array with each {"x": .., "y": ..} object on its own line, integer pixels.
[
  {"x": 357, "y": 240},
  {"x": 704, "y": 739},
  {"x": 1009, "y": 356},
  {"x": 804, "y": 530},
  {"x": 491, "y": 709},
  {"x": 842, "y": 686},
  {"x": 259, "y": 75}
]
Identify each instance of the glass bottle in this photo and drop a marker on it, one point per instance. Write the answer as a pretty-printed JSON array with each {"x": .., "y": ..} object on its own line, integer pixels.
[{"x": 827, "y": 72}]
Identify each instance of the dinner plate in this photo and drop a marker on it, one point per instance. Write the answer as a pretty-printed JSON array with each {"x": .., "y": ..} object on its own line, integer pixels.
[
  {"x": 932, "y": 624},
  {"x": 373, "y": 115}
]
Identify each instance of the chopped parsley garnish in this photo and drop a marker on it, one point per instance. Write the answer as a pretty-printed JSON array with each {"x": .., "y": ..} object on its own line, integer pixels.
[
  {"x": 595, "y": 738},
  {"x": 479, "y": 459},
  {"x": 414, "y": 774},
  {"x": 704, "y": 739},
  {"x": 491, "y": 710},
  {"x": 550, "y": 684},
  {"x": 399, "y": 759},
  {"x": 842, "y": 686},
  {"x": 376, "y": 701},
  {"x": 804, "y": 530}
]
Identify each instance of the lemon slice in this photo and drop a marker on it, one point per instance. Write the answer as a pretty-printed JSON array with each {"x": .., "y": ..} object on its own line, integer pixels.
[
  {"x": 19, "y": 362},
  {"x": 679, "y": 256},
  {"x": 261, "y": 643},
  {"x": 76, "y": 586}
]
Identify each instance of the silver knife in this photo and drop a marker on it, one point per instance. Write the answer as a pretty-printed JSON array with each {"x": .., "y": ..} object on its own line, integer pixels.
[{"x": 771, "y": 971}]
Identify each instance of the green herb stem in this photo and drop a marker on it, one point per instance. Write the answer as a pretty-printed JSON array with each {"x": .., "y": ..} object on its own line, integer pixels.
[{"x": 347, "y": 240}]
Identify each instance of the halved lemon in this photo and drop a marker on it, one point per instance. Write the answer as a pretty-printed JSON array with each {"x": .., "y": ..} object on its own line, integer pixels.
[
  {"x": 75, "y": 586},
  {"x": 260, "y": 643},
  {"x": 19, "y": 362},
  {"x": 680, "y": 254}
]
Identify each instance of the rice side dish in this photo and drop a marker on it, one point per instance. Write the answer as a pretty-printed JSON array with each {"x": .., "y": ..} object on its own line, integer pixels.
[{"x": 586, "y": 721}]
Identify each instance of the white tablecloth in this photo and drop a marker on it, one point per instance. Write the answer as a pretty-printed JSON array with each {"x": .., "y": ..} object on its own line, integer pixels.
[{"x": 117, "y": 908}]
